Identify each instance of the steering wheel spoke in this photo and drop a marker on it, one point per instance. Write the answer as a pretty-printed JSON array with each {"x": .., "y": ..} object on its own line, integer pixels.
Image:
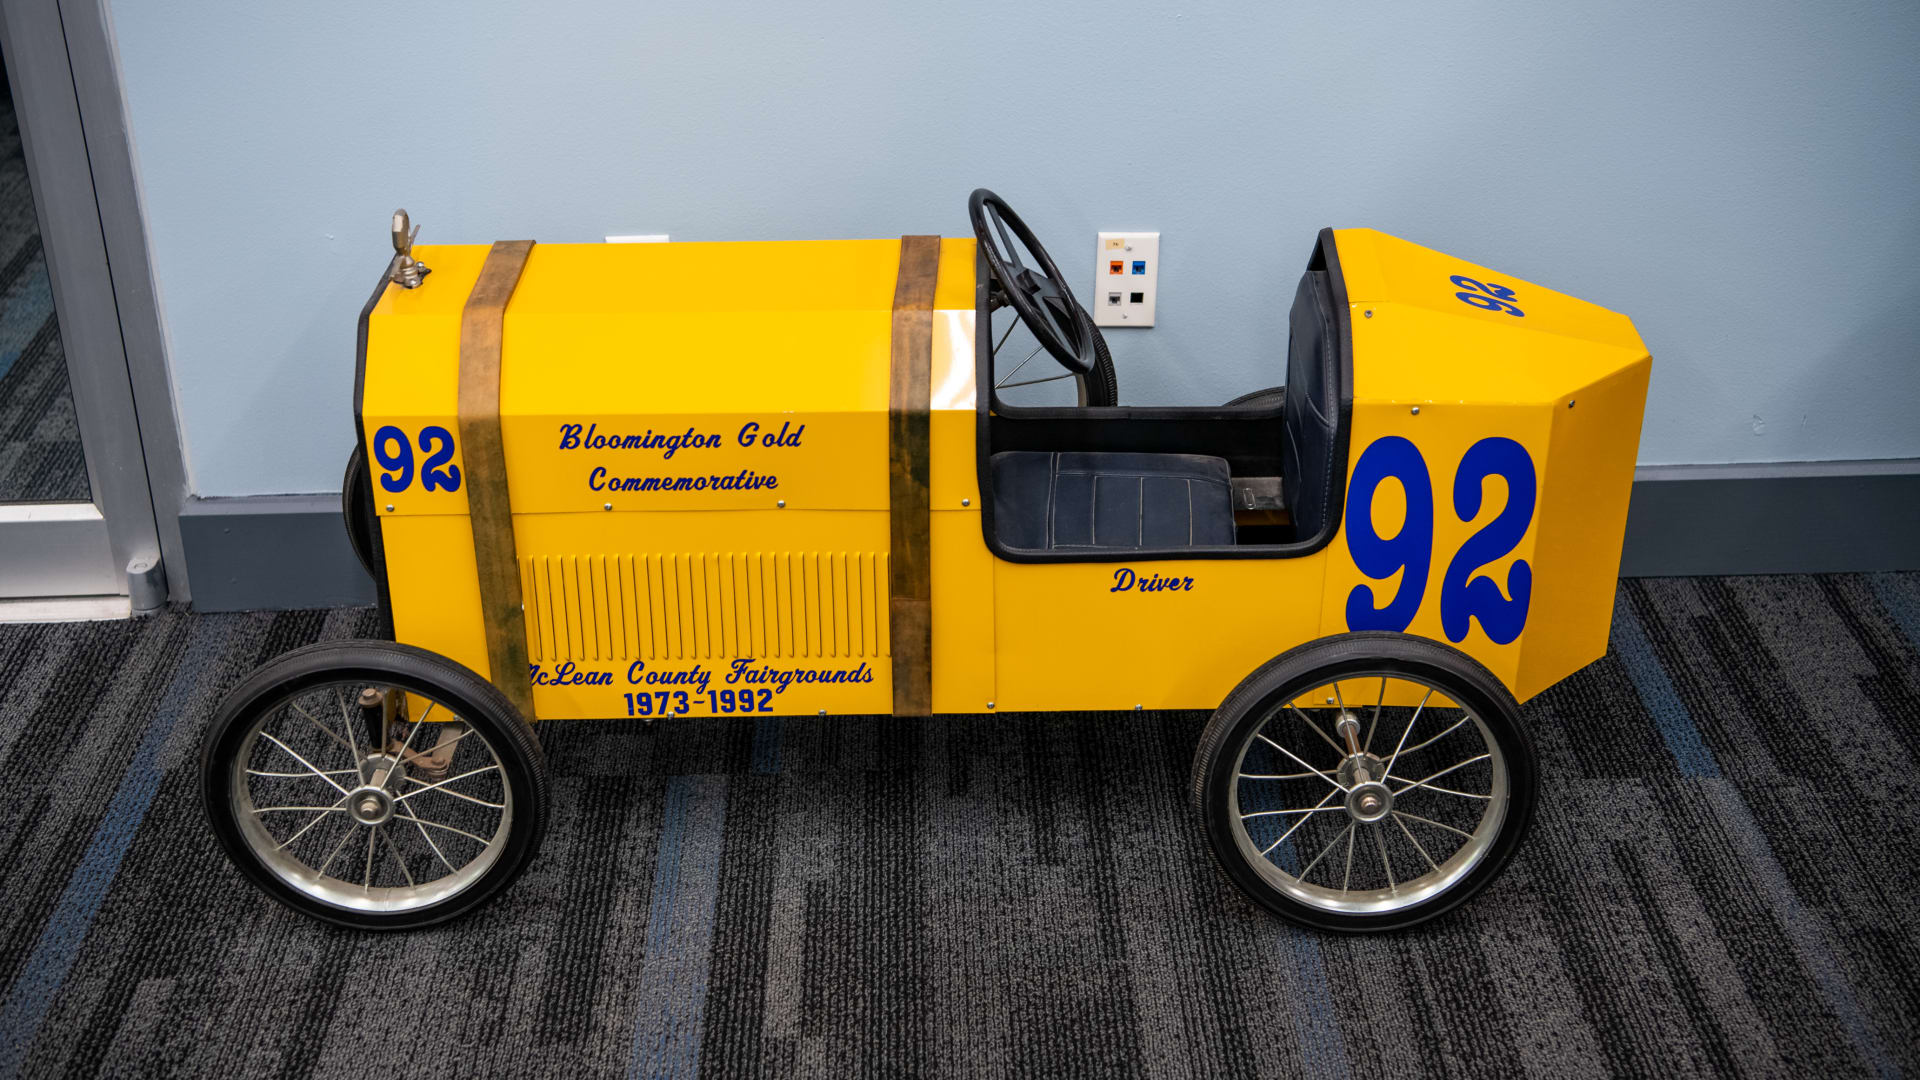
[
  {"x": 1047, "y": 306},
  {"x": 1006, "y": 241}
]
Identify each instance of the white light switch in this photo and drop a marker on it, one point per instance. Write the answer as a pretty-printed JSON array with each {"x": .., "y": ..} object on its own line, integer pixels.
[{"x": 1126, "y": 278}]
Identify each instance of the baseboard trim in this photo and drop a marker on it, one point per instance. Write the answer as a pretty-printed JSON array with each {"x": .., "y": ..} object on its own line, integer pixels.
[
  {"x": 271, "y": 552},
  {"x": 278, "y": 552},
  {"x": 1816, "y": 517}
]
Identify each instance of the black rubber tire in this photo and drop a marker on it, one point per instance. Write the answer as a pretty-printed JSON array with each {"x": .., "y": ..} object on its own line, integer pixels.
[
  {"x": 384, "y": 663},
  {"x": 1271, "y": 397},
  {"x": 1103, "y": 385},
  {"x": 1318, "y": 662},
  {"x": 356, "y": 508}
]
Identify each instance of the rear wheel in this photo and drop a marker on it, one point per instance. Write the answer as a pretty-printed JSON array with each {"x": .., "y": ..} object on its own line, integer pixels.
[
  {"x": 1270, "y": 398},
  {"x": 1102, "y": 383},
  {"x": 356, "y": 508},
  {"x": 1365, "y": 782},
  {"x": 374, "y": 785}
]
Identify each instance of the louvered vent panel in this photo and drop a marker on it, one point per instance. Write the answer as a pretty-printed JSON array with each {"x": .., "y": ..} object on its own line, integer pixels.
[{"x": 697, "y": 606}]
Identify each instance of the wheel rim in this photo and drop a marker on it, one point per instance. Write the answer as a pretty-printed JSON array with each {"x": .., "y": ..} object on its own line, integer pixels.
[
  {"x": 374, "y": 829},
  {"x": 1397, "y": 824}
]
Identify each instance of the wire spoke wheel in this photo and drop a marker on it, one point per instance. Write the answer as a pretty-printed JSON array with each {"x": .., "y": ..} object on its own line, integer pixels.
[
  {"x": 373, "y": 784},
  {"x": 1368, "y": 828},
  {"x": 386, "y": 827},
  {"x": 1367, "y": 782}
]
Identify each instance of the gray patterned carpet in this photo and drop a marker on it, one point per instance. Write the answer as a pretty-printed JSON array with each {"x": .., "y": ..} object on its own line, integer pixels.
[
  {"x": 1722, "y": 881},
  {"x": 40, "y": 457}
]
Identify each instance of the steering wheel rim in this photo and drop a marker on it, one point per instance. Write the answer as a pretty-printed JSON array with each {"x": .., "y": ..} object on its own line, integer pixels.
[{"x": 1040, "y": 296}]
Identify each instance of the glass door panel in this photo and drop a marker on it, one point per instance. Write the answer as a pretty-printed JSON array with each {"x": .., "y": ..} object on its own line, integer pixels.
[{"x": 40, "y": 455}]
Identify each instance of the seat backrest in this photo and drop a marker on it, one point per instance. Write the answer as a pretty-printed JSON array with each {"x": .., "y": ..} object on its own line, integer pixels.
[{"x": 1312, "y": 406}]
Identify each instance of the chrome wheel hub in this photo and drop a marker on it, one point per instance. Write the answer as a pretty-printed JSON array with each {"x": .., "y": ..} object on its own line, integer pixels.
[
  {"x": 377, "y": 797},
  {"x": 370, "y": 805},
  {"x": 1368, "y": 799}
]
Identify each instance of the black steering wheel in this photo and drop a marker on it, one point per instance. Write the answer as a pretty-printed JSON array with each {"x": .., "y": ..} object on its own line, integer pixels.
[{"x": 1038, "y": 293}]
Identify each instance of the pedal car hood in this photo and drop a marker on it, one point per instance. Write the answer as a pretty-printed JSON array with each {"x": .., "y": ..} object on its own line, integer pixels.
[{"x": 702, "y": 376}]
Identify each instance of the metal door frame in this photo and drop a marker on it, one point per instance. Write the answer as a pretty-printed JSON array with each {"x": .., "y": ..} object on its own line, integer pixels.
[{"x": 64, "y": 72}]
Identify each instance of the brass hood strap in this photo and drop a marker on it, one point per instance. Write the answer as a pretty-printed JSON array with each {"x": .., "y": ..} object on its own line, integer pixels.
[
  {"x": 490, "y": 510},
  {"x": 909, "y": 504}
]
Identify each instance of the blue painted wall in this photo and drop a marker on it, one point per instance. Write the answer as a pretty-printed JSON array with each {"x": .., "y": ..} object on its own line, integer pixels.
[{"x": 1741, "y": 178}]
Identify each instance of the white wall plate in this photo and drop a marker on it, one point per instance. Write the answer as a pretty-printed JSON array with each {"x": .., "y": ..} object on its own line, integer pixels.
[{"x": 1126, "y": 278}]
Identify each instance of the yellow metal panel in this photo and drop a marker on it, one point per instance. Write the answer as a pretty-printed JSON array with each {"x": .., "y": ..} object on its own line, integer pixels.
[
  {"x": 567, "y": 462},
  {"x": 963, "y": 637},
  {"x": 808, "y": 604},
  {"x": 1360, "y": 265},
  {"x": 1386, "y": 269},
  {"x": 779, "y": 391},
  {"x": 706, "y": 601},
  {"x": 568, "y": 610},
  {"x": 691, "y": 604},
  {"x": 756, "y": 371},
  {"x": 634, "y": 605},
  {"x": 954, "y": 290},
  {"x": 1064, "y": 638},
  {"x": 692, "y": 330},
  {"x": 1481, "y": 376},
  {"x": 722, "y": 605},
  {"x": 706, "y": 277},
  {"x": 783, "y": 603},
  {"x": 1583, "y": 521},
  {"x": 1410, "y": 354},
  {"x": 433, "y": 586}
]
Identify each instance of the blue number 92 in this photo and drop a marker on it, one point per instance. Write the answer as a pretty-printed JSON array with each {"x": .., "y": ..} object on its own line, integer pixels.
[
  {"x": 1409, "y": 552},
  {"x": 395, "y": 455},
  {"x": 1491, "y": 296}
]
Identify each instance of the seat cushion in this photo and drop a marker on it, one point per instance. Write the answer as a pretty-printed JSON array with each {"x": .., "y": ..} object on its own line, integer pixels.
[{"x": 1110, "y": 501}]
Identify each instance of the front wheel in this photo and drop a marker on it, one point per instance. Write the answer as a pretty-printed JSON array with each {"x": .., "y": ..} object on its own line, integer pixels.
[
  {"x": 374, "y": 785},
  {"x": 1370, "y": 781}
]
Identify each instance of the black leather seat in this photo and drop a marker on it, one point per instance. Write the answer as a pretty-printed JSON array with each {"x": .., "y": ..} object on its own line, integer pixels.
[
  {"x": 1110, "y": 501},
  {"x": 1312, "y": 407}
]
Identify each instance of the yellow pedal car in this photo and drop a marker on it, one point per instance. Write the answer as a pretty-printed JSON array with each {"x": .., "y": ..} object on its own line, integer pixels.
[{"x": 777, "y": 479}]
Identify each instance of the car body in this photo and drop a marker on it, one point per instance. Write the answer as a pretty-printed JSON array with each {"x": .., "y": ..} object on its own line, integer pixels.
[{"x": 696, "y": 440}]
